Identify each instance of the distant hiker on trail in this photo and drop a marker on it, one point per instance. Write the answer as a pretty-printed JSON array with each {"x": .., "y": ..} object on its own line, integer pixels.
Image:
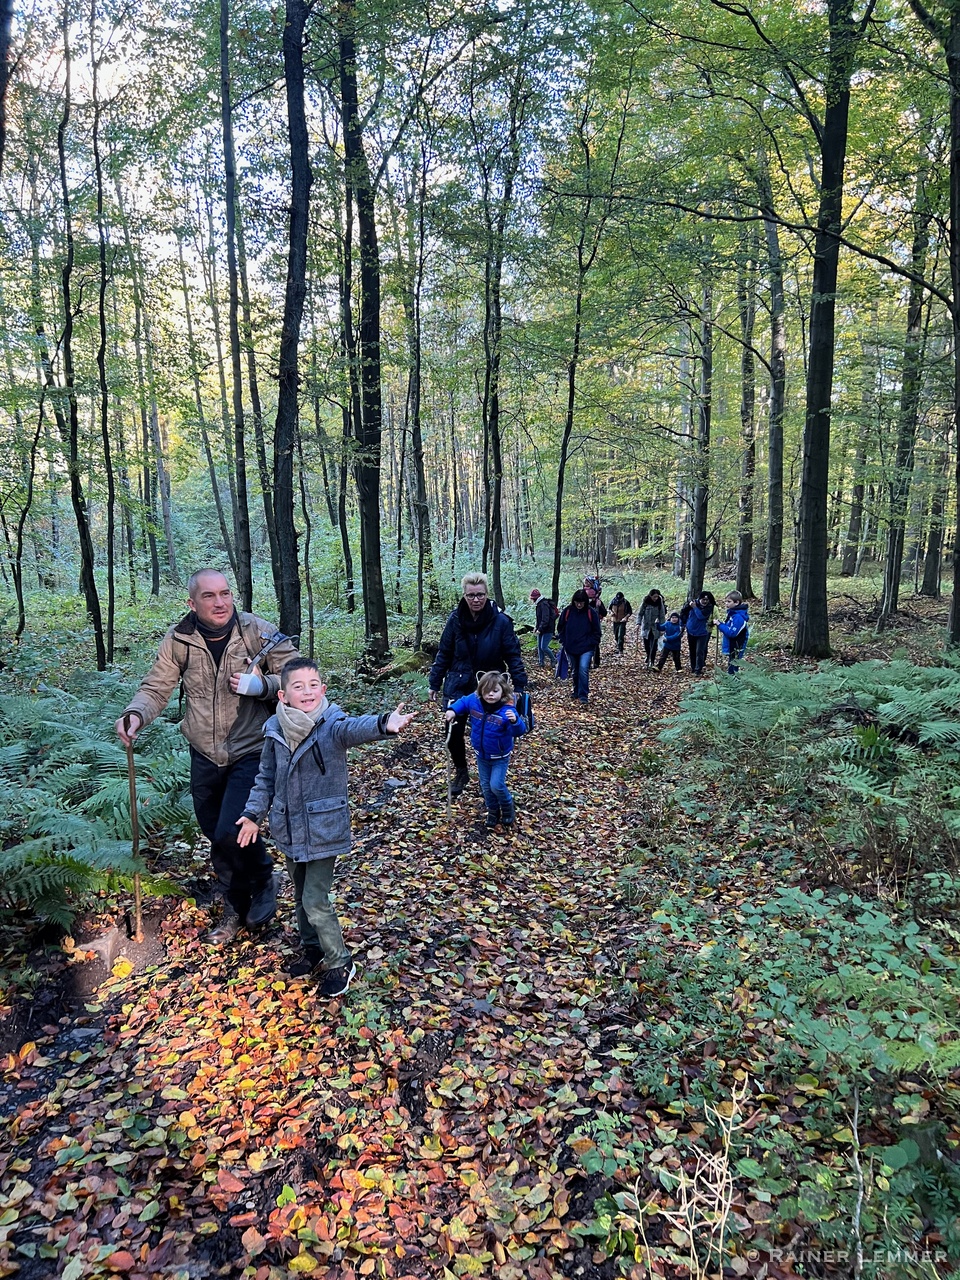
[
  {"x": 579, "y": 630},
  {"x": 620, "y": 610},
  {"x": 228, "y": 699},
  {"x": 302, "y": 784},
  {"x": 478, "y": 636},
  {"x": 592, "y": 587},
  {"x": 696, "y": 617},
  {"x": 494, "y": 724},
  {"x": 546, "y": 627},
  {"x": 672, "y": 632},
  {"x": 653, "y": 610},
  {"x": 735, "y": 630}
]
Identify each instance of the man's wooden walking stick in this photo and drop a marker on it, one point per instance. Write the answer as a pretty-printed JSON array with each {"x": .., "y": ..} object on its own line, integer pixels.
[{"x": 135, "y": 835}]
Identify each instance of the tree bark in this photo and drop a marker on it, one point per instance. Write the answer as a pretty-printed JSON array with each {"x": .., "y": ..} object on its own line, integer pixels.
[
  {"x": 812, "y": 638},
  {"x": 747, "y": 301},
  {"x": 910, "y": 379},
  {"x": 773, "y": 558},
  {"x": 367, "y": 464},
  {"x": 241, "y": 514},
  {"x": 701, "y": 482},
  {"x": 88, "y": 581},
  {"x": 285, "y": 436}
]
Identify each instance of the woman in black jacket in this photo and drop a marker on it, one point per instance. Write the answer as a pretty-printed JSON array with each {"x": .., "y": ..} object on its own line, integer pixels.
[
  {"x": 579, "y": 631},
  {"x": 478, "y": 636}
]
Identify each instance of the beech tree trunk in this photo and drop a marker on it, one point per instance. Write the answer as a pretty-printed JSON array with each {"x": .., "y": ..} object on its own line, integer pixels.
[
  {"x": 701, "y": 482},
  {"x": 367, "y": 465},
  {"x": 773, "y": 558},
  {"x": 899, "y": 484},
  {"x": 241, "y": 514},
  {"x": 285, "y": 436},
  {"x": 812, "y": 638}
]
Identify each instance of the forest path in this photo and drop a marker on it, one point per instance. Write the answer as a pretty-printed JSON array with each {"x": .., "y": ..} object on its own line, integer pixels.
[{"x": 230, "y": 1120}]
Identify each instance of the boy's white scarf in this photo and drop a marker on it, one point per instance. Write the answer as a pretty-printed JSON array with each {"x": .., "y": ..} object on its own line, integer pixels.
[{"x": 295, "y": 724}]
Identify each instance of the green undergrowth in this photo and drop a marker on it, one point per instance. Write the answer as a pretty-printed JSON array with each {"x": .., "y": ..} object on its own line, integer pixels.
[{"x": 796, "y": 970}]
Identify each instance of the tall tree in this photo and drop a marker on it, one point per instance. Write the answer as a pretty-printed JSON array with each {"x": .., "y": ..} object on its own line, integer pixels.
[
  {"x": 286, "y": 432},
  {"x": 812, "y": 638},
  {"x": 241, "y": 513}
]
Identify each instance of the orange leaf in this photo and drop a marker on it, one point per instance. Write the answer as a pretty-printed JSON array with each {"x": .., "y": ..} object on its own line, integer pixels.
[
  {"x": 227, "y": 1182},
  {"x": 121, "y": 1261}
]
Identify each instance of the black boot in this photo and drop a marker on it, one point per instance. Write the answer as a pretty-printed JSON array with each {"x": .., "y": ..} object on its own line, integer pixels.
[
  {"x": 263, "y": 904},
  {"x": 311, "y": 958},
  {"x": 460, "y": 782},
  {"x": 226, "y": 930}
]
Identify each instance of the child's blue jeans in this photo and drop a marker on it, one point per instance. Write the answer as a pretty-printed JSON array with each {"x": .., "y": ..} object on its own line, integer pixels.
[
  {"x": 493, "y": 784},
  {"x": 544, "y": 652}
]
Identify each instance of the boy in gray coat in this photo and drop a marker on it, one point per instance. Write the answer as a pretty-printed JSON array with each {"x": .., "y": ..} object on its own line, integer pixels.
[{"x": 302, "y": 784}]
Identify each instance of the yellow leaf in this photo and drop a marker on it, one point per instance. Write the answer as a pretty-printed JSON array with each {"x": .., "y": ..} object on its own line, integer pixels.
[
  {"x": 122, "y": 968},
  {"x": 256, "y": 1160},
  {"x": 303, "y": 1264}
]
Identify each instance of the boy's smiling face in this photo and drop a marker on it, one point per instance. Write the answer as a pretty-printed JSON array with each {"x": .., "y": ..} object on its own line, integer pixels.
[{"x": 305, "y": 690}]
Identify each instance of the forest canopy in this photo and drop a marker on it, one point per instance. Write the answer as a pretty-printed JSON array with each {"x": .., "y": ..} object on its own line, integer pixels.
[{"x": 333, "y": 296}]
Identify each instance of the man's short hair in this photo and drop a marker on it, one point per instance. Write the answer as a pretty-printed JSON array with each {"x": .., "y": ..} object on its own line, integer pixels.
[
  {"x": 296, "y": 664},
  {"x": 474, "y": 580},
  {"x": 194, "y": 580}
]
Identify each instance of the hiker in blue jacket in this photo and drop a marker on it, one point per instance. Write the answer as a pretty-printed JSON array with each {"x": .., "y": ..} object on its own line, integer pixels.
[
  {"x": 580, "y": 635},
  {"x": 478, "y": 636},
  {"x": 696, "y": 619},
  {"x": 494, "y": 724},
  {"x": 672, "y": 631},
  {"x": 735, "y": 630}
]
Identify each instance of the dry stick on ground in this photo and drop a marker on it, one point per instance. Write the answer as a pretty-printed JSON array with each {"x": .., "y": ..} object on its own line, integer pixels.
[{"x": 704, "y": 1198}]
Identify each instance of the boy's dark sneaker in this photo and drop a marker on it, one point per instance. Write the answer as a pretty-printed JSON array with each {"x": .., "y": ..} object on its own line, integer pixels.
[
  {"x": 492, "y": 820},
  {"x": 310, "y": 958},
  {"x": 336, "y": 981},
  {"x": 461, "y": 780}
]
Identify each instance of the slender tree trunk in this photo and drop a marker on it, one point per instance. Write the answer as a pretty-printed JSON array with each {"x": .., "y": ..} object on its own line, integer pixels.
[
  {"x": 208, "y": 257},
  {"x": 241, "y": 514},
  {"x": 851, "y": 544},
  {"x": 747, "y": 300},
  {"x": 930, "y": 586},
  {"x": 256, "y": 408},
  {"x": 910, "y": 381},
  {"x": 286, "y": 433},
  {"x": 88, "y": 581},
  {"x": 773, "y": 558},
  {"x": 367, "y": 467},
  {"x": 812, "y": 639},
  {"x": 201, "y": 416},
  {"x": 701, "y": 484},
  {"x": 6, "y": 23},
  {"x": 146, "y": 479},
  {"x": 102, "y": 344},
  {"x": 307, "y": 541}
]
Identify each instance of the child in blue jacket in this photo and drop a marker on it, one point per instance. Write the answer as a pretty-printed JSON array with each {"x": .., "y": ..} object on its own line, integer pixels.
[
  {"x": 494, "y": 724},
  {"x": 672, "y": 632},
  {"x": 735, "y": 630}
]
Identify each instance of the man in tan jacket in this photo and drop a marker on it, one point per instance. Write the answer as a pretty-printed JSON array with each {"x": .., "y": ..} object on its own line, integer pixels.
[{"x": 228, "y": 698}]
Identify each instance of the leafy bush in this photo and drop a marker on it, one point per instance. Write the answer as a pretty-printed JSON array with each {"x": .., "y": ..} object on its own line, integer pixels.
[{"x": 64, "y": 796}]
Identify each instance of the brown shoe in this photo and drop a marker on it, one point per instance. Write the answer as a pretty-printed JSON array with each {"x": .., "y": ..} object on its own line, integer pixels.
[{"x": 225, "y": 931}]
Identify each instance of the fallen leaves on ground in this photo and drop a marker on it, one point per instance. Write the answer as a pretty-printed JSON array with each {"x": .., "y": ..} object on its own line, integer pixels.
[{"x": 229, "y": 1122}]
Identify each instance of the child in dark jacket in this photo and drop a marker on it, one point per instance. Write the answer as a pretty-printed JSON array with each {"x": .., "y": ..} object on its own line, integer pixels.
[
  {"x": 494, "y": 724},
  {"x": 671, "y": 631},
  {"x": 302, "y": 784},
  {"x": 735, "y": 630}
]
